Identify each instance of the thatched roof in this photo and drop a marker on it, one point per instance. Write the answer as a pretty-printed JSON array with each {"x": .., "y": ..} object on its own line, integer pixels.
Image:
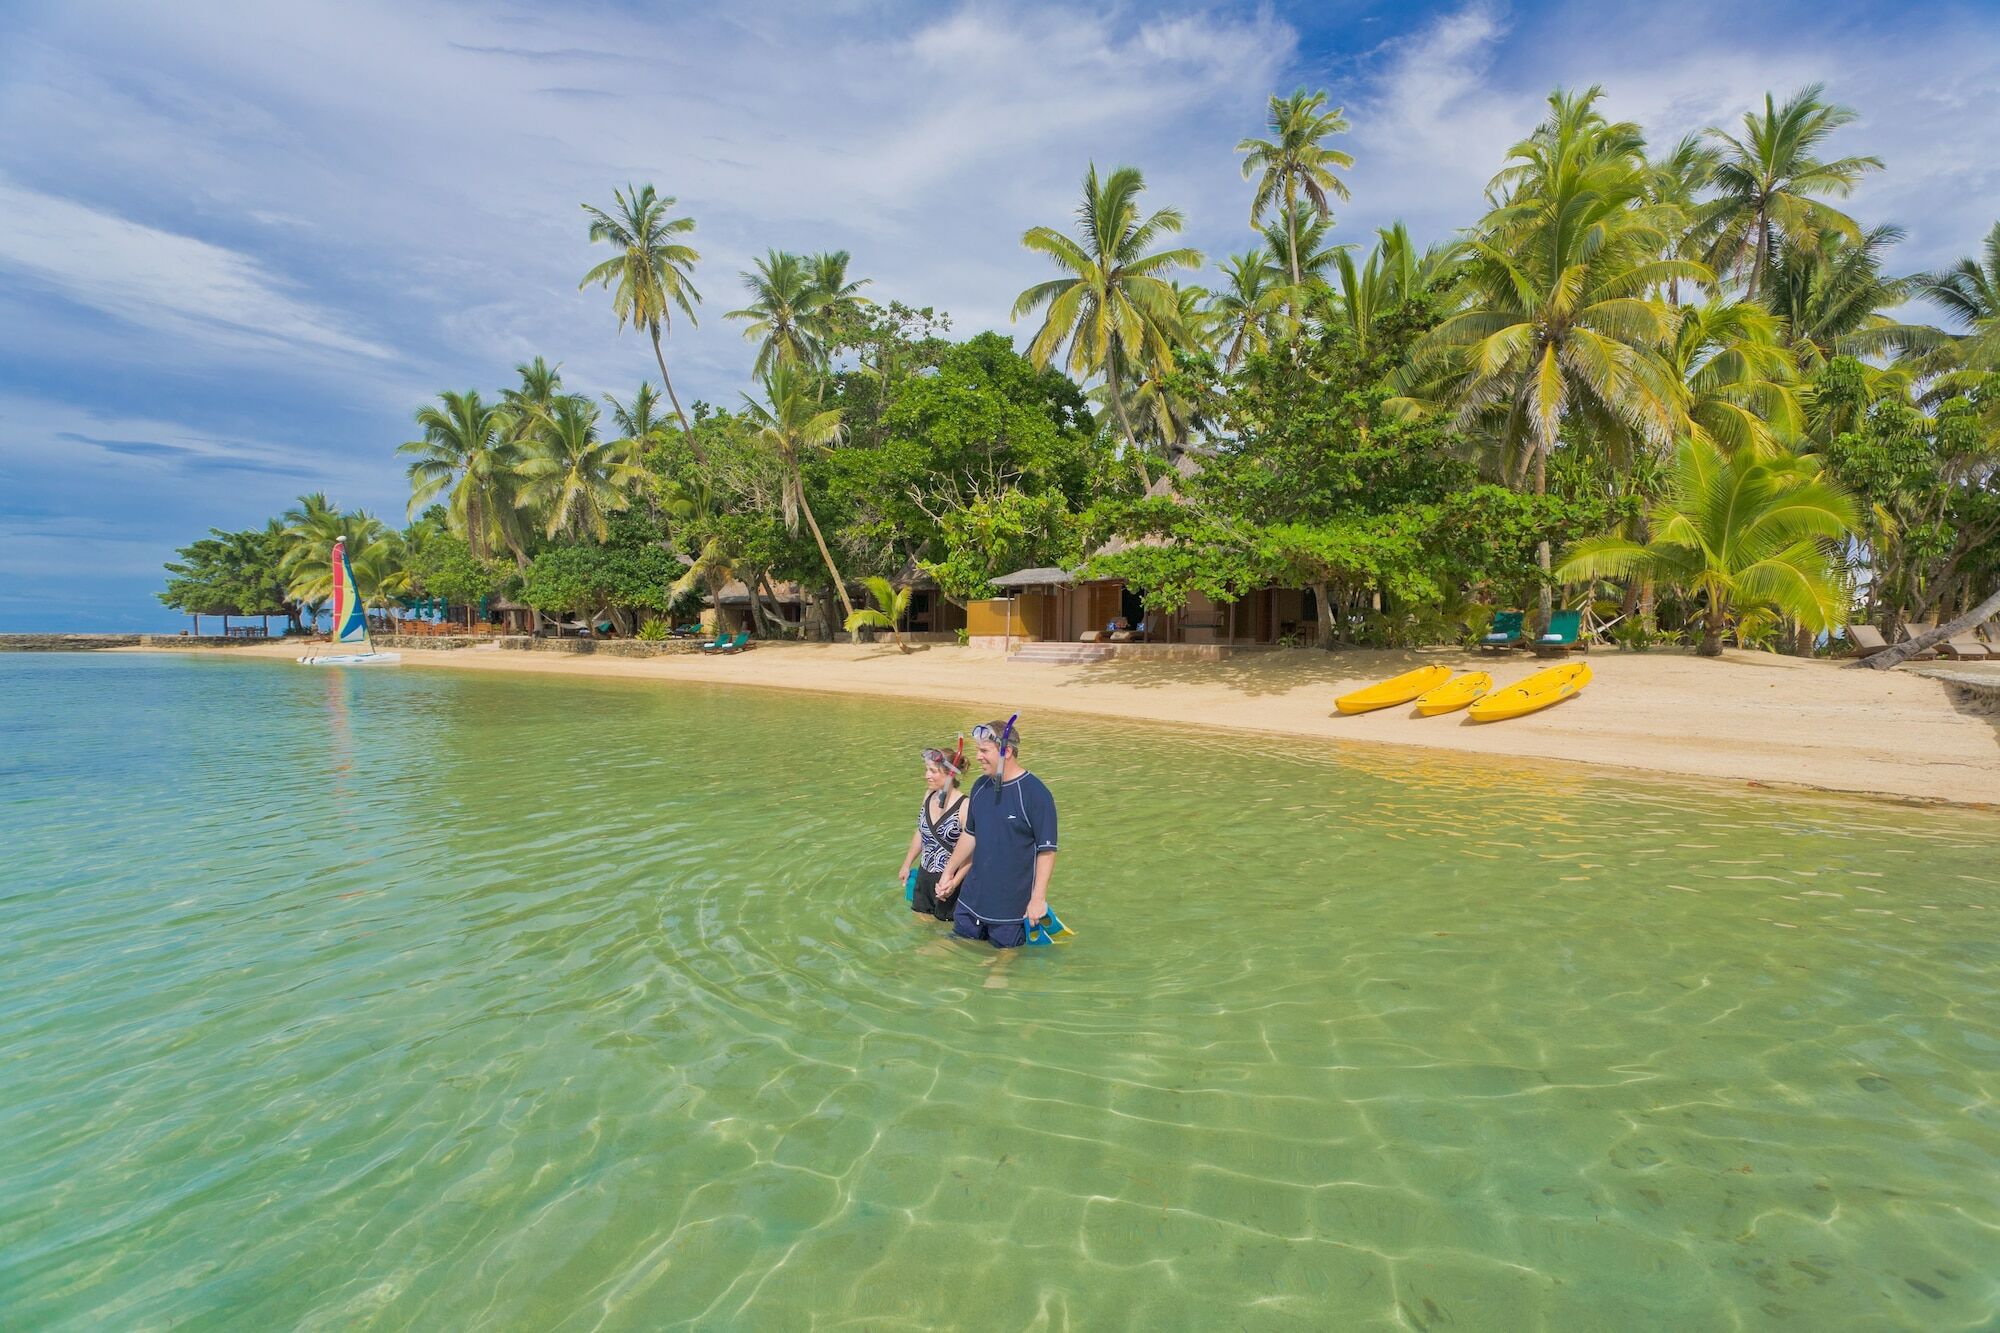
[{"x": 1035, "y": 578}]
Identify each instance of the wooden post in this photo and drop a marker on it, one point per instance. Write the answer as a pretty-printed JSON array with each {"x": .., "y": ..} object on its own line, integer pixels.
[{"x": 1007, "y": 635}]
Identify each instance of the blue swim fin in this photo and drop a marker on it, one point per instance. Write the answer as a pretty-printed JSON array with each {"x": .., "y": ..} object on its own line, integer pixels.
[
  {"x": 910, "y": 886},
  {"x": 1048, "y": 930}
]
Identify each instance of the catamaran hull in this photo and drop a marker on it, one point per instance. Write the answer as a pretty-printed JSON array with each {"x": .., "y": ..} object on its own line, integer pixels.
[{"x": 353, "y": 659}]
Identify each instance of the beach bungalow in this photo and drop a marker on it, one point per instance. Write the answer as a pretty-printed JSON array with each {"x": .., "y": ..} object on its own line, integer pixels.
[{"x": 1055, "y": 605}]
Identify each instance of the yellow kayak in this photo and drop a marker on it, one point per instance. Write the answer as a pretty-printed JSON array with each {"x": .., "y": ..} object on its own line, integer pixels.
[
  {"x": 1537, "y": 691},
  {"x": 1454, "y": 694},
  {"x": 1396, "y": 690}
]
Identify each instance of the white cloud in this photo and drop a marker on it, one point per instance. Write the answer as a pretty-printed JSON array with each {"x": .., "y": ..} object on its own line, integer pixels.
[{"x": 158, "y": 279}]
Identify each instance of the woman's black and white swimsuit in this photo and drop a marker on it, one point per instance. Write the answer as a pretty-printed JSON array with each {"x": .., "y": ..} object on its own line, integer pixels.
[{"x": 936, "y": 840}]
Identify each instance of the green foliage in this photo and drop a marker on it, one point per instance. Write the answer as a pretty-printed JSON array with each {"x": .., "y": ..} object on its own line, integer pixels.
[
  {"x": 444, "y": 565},
  {"x": 583, "y": 576},
  {"x": 654, "y": 630},
  {"x": 1011, "y": 530},
  {"x": 891, "y": 605},
  {"x": 1744, "y": 534},
  {"x": 238, "y": 573}
]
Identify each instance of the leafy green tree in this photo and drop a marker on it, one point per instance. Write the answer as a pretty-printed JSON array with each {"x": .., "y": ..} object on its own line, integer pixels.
[
  {"x": 445, "y": 565},
  {"x": 1295, "y": 161},
  {"x": 572, "y": 476},
  {"x": 1740, "y": 533},
  {"x": 652, "y": 271},
  {"x": 232, "y": 573},
  {"x": 591, "y": 578},
  {"x": 1114, "y": 308},
  {"x": 1770, "y": 185},
  {"x": 1928, "y": 487}
]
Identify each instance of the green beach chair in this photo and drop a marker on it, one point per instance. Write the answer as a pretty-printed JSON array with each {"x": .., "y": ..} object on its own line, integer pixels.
[
  {"x": 1505, "y": 631},
  {"x": 1564, "y": 634},
  {"x": 720, "y": 642},
  {"x": 741, "y": 643}
]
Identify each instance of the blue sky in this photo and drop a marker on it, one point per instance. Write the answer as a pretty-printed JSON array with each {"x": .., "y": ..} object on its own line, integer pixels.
[{"x": 241, "y": 243}]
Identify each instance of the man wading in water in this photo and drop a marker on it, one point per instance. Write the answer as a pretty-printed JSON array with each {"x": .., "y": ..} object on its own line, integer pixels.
[{"x": 1008, "y": 849}]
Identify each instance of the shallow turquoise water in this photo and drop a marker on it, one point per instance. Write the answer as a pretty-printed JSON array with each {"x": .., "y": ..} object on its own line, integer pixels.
[{"x": 403, "y": 999}]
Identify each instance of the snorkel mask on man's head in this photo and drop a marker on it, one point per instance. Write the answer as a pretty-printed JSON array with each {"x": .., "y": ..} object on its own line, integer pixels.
[{"x": 1001, "y": 736}]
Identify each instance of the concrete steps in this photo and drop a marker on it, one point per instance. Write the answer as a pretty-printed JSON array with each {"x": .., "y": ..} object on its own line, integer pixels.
[{"x": 1063, "y": 653}]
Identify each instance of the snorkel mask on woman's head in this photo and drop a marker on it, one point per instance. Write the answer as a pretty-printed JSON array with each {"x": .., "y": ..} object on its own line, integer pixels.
[{"x": 951, "y": 761}]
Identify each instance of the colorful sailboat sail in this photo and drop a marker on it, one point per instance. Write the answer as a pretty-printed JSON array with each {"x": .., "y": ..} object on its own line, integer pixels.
[
  {"x": 350, "y": 617},
  {"x": 350, "y": 622}
]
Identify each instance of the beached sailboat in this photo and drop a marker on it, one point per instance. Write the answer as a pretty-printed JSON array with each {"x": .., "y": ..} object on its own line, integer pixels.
[{"x": 350, "y": 622}]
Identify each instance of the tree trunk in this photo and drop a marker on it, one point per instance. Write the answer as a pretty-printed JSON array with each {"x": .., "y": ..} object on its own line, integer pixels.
[
  {"x": 1903, "y": 652},
  {"x": 1711, "y": 631},
  {"x": 694, "y": 446},
  {"x": 758, "y": 618},
  {"x": 1125, "y": 419},
  {"x": 521, "y": 563},
  {"x": 1547, "y": 600},
  {"x": 839, "y": 586},
  {"x": 1292, "y": 225},
  {"x": 1323, "y": 605}
]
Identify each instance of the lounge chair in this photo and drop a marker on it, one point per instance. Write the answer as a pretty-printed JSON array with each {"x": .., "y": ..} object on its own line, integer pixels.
[
  {"x": 740, "y": 644},
  {"x": 1505, "y": 632},
  {"x": 1090, "y": 636},
  {"x": 1865, "y": 640},
  {"x": 1990, "y": 632},
  {"x": 1965, "y": 648},
  {"x": 720, "y": 642},
  {"x": 1564, "y": 634},
  {"x": 1912, "y": 631}
]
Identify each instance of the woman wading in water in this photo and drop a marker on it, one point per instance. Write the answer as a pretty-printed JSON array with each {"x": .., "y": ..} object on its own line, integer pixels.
[{"x": 940, "y": 821}]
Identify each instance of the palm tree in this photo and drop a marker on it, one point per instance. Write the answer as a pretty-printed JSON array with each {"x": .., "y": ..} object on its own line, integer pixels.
[
  {"x": 374, "y": 552},
  {"x": 1393, "y": 273},
  {"x": 1970, "y": 292},
  {"x": 651, "y": 273},
  {"x": 1832, "y": 298},
  {"x": 572, "y": 476},
  {"x": 1741, "y": 386},
  {"x": 891, "y": 605},
  {"x": 1298, "y": 239},
  {"x": 1295, "y": 161},
  {"x": 792, "y": 424},
  {"x": 783, "y": 312},
  {"x": 638, "y": 423},
  {"x": 1741, "y": 533},
  {"x": 467, "y": 451},
  {"x": 1674, "y": 184},
  {"x": 1243, "y": 311},
  {"x": 1559, "y": 328},
  {"x": 1113, "y": 307},
  {"x": 840, "y": 300},
  {"x": 1767, "y": 180},
  {"x": 527, "y": 402}
]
